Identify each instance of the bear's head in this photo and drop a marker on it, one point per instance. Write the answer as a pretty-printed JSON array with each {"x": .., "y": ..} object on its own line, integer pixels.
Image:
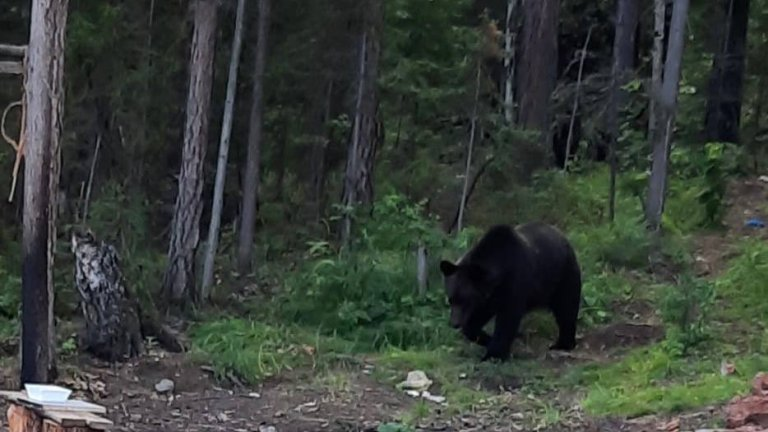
[{"x": 467, "y": 287}]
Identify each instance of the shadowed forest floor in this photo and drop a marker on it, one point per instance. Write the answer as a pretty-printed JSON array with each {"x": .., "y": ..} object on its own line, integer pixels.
[{"x": 358, "y": 394}]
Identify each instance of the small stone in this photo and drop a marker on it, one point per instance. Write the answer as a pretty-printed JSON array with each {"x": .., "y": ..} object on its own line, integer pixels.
[
  {"x": 412, "y": 393},
  {"x": 136, "y": 417},
  {"x": 254, "y": 395},
  {"x": 222, "y": 417},
  {"x": 416, "y": 380},
  {"x": 164, "y": 386},
  {"x": 432, "y": 398},
  {"x": 267, "y": 429}
]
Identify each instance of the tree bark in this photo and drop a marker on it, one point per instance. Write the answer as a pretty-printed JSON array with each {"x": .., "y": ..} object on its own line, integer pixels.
[
  {"x": 365, "y": 134},
  {"x": 179, "y": 278},
  {"x": 318, "y": 154},
  {"x": 657, "y": 65},
  {"x": 44, "y": 95},
  {"x": 112, "y": 324},
  {"x": 627, "y": 15},
  {"x": 509, "y": 63},
  {"x": 251, "y": 178},
  {"x": 470, "y": 150},
  {"x": 667, "y": 104},
  {"x": 538, "y": 65},
  {"x": 575, "y": 110},
  {"x": 726, "y": 82},
  {"x": 221, "y": 168}
]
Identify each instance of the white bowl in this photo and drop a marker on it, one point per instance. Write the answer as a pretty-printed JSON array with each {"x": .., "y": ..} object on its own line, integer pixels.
[{"x": 47, "y": 393}]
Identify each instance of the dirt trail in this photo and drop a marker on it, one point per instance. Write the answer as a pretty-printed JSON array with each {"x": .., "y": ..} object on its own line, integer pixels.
[{"x": 353, "y": 401}]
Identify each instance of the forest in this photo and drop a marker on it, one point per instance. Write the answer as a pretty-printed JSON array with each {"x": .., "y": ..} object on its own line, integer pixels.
[{"x": 231, "y": 215}]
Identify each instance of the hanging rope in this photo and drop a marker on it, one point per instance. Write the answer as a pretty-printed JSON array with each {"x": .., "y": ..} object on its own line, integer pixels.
[{"x": 18, "y": 146}]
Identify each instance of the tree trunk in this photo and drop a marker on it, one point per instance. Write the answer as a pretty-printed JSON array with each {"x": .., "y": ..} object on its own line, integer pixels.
[
  {"x": 571, "y": 139},
  {"x": 666, "y": 111},
  {"x": 470, "y": 150},
  {"x": 509, "y": 63},
  {"x": 365, "y": 134},
  {"x": 422, "y": 270},
  {"x": 627, "y": 15},
  {"x": 112, "y": 325},
  {"x": 44, "y": 95},
  {"x": 318, "y": 160},
  {"x": 221, "y": 168},
  {"x": 480, "y": 171},
  {"x": 115, "y": 323},
  {"x": 251, "y": 177},
  {"x": 283, "y": 138},
  {"x": 723, "y": 112},
  {"x": 179, "y": 279},
  {"x": 538, "y": 65},
  {"x": 657, "y": 64}
]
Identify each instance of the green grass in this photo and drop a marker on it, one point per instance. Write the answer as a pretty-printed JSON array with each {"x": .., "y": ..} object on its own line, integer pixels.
[
  {"x": 253, "y": 350},
  {"x": 340, "y": 306},
  {"x": 651, "y": 380}
]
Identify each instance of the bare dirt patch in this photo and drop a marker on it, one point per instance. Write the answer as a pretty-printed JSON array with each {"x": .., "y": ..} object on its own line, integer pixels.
[
  {"x": 198, "y": 403},
  {"x": 622, "y": 335}
]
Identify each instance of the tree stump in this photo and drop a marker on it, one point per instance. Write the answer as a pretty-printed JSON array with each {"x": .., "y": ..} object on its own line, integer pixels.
[
  {"x": 112, "y": 324},
  {"x": 115, "y": 323}
]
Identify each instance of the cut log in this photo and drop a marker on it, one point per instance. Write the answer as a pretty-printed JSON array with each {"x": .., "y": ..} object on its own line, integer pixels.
[
  {"x": 11, "y": 67},
  {"x": 114, "y": 323},
  {"x": 24, "y": 416},
  {"x": 13, "y": 50}
]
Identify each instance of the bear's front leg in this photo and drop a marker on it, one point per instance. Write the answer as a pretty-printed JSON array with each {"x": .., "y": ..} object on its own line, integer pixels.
[
  {"x": 507, "y": 324},
  {"x": 478, "y": 318}
]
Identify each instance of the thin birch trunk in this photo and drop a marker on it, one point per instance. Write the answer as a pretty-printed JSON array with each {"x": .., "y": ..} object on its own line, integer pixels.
[{"x": 221, "y": 167}]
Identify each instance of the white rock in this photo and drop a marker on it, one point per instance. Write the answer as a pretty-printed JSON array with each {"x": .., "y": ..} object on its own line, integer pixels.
[
  {"x": 416, "y": 380},
  {"x": 164, "y": 386}
]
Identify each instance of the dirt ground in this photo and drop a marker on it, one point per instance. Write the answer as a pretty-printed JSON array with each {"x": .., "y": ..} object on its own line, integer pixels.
[{"x": 357, "y": 402}]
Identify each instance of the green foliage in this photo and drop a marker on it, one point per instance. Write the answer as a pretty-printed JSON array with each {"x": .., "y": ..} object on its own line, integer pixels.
[
  {"x": 10, "y": 290},
  {"x": 686, "y": 309},
  {"x": 369, "y": 293},
  {"x": 252, "y": 350},
  {"x": 393, "y": 427},
  {"x": 121, "y": 216},
  {"x": 651, "y": 380},
  {"x": 719, "y": 167},
  {"x": 742, "y": 288}
]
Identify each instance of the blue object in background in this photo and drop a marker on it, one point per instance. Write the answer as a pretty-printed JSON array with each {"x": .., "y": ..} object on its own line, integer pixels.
[{"x": 755, "y": 223}]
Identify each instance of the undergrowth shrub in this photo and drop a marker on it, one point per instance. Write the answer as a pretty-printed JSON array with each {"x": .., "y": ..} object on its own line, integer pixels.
[
  {"x": 10, "y": 298},
  {"x": 686, "y": 309},
  {"x": 742, "y": 288},
  {"x": 121, "y": 216},
  {"x": 369, "y": 292}
]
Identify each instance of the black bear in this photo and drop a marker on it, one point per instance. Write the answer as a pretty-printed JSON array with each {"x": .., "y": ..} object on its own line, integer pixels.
[{"x": 510, "y": 272}]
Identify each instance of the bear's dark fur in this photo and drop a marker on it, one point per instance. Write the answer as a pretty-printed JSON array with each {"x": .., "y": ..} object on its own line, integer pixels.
[{"x": 510, "y": 272}]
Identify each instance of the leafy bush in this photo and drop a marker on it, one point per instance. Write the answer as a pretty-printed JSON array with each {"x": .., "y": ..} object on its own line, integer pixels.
[
  {"x": 686, "y": 310},
  {"x": 369, "y": 293},
  {"x": 743, "y": 284},
  {"x": 122, "y": 217}
]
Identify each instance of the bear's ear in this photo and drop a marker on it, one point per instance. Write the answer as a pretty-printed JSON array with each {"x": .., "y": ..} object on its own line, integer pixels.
[{"x": 448, "y": 268}]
